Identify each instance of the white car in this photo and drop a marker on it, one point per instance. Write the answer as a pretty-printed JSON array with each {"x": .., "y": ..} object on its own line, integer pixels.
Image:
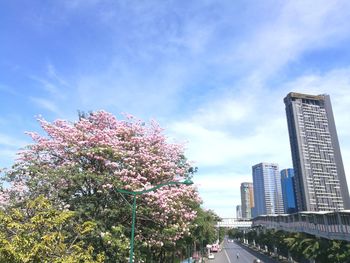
[{"x": 211, "y": 256}]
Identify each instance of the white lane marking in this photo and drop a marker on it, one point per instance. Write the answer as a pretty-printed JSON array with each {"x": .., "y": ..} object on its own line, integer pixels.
[{"x": 229, "y": 261}]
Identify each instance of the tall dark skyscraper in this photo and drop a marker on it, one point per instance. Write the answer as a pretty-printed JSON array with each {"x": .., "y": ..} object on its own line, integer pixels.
[
  {"x": 320, "y": 181},
  {"x": 288, "y": 191}
]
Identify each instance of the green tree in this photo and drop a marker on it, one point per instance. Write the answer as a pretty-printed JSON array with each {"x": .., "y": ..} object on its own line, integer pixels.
[
  {"x": 80, "y": 165},
  {"x": 302, "y": 246},
  {"x": 312, "y": 248},
  {"x": 293, "y": 243},
  {"x": 41, "y": 233},
  {"x": 235, "y": 233},
  {"x": 338, "y": 251},
  {"x": 202, "y": 231}
]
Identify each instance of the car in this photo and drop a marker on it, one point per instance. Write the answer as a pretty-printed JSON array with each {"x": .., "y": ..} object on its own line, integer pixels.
[
  {"x": 214, "y": 248},
  {"x": 211, "y": 256},
  {"x": 230, "y": 240}
]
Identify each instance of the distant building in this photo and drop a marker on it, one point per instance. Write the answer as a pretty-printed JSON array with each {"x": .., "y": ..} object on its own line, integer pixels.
[
  {"x": 238, "y": 212},
  {"x": 267, "y": 189},
  {"x": 247, "y": 199},
  {"x": 288, "y": 191},
  {"x": 320, "y": 181}
]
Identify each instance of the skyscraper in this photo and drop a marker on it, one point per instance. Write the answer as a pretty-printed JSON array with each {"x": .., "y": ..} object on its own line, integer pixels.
[
  {"x": 239, "y": 212},
  {"x": 247, "y": 199},
  {"x": 319, "y": 173},
  {"x": 288, "y": 191},
  {"x": 267, "y": 189}
]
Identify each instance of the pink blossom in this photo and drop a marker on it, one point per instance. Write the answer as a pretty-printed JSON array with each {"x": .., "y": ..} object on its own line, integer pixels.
[{"x": 130, "y": 152}]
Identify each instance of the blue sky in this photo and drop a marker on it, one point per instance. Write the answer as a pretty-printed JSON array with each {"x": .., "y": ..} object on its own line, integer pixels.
[{"x": 212, "y": 73}]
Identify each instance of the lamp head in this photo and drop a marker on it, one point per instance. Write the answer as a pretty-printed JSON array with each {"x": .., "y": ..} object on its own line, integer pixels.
[{"x": 188, "y": 182}]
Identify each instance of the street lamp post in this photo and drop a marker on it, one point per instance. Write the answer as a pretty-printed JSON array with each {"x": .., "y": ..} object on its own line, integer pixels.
[{"x": 134, "y": 194}]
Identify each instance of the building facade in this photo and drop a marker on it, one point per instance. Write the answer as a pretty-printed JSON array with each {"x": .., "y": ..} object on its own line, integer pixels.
[
  {"x": 238, "y": 212},
  {"x": 320, "y": 181},
  {"x": 247, "y": 199},
  {"x": 288, "y": 191},
  {"x": 267, "y": 189}
]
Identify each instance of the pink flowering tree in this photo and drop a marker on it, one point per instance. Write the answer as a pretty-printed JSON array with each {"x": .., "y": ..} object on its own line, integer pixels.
[
  {"x": 13, "y": 193},
  {"x": 80, "y": 165},
  {"x": 4, "y": 197}
]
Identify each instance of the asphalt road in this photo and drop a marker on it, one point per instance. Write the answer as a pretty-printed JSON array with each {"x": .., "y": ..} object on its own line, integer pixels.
[{"x": 228, "y": 254}]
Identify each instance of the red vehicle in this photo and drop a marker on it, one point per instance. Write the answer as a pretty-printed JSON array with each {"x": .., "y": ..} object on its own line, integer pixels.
[{"x": 214, "y": 248}]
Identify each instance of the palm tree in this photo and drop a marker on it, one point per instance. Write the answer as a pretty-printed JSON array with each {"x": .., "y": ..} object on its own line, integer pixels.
[
  {"x": 292, "y": 241},
  {"x": 315, "y": 248},
  {"x": 338, "y": 251}
]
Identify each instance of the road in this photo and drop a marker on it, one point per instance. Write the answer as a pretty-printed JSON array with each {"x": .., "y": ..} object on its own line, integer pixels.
[{"x": 228, "y": 254}]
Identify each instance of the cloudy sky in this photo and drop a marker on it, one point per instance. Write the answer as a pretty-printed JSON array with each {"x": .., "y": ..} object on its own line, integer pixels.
[{"x": 212, "y": 73}]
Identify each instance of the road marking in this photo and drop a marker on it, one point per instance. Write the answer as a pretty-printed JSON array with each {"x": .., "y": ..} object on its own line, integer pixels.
[{"x": 229, "y": 261}]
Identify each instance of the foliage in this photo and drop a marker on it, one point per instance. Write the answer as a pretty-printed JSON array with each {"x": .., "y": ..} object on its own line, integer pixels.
[
  {"x": 40, "y": 233},
  {"x": 235, "y": 233},
  {"x": 202, "y": 231},
  {"x": 205, "y": 230},
  {"x": 80, "y": 165},
  {"x": 302, "y": 246},
  {"x": 338, "y": 251}
]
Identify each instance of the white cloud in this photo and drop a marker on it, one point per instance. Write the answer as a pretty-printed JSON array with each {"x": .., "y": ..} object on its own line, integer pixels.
[
  {"x": 231, "y": 110},
  {"x": 7, "y": 157},
  {"x": 121, "y": 88},
  {"x": 46, "y": 104},
  {"x": 215, "y": 145},
  {"x": 49, "y": 87},
  {"x": 218, "y": 145},
  {"x": 8, "y": 141},
  {"x": 297, "y": 27},
  {"x": 9, "y": 146},
  {"x": 263, "y": 140},
  {"x": 237, "y": 123},
  {"x": 221, "y": 181},
  {"x": 54, "y": 75},
  {"x": 336, "y": 83},
  {"x": 221, "y": 191},
  {"x": 206, "y": 78}
]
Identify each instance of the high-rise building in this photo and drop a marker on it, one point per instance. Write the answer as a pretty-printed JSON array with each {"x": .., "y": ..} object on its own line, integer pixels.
[
  {"x": 267, "y": 189},
  {"x": 238, "y": 212},
  {"x": 320, "y": 181},
  {"x": 247, "y": 199},
  {"x": 288, "y": 191}
]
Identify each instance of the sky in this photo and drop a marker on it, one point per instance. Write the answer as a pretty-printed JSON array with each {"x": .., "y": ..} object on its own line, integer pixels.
[{"x": 212, "y": 73}]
